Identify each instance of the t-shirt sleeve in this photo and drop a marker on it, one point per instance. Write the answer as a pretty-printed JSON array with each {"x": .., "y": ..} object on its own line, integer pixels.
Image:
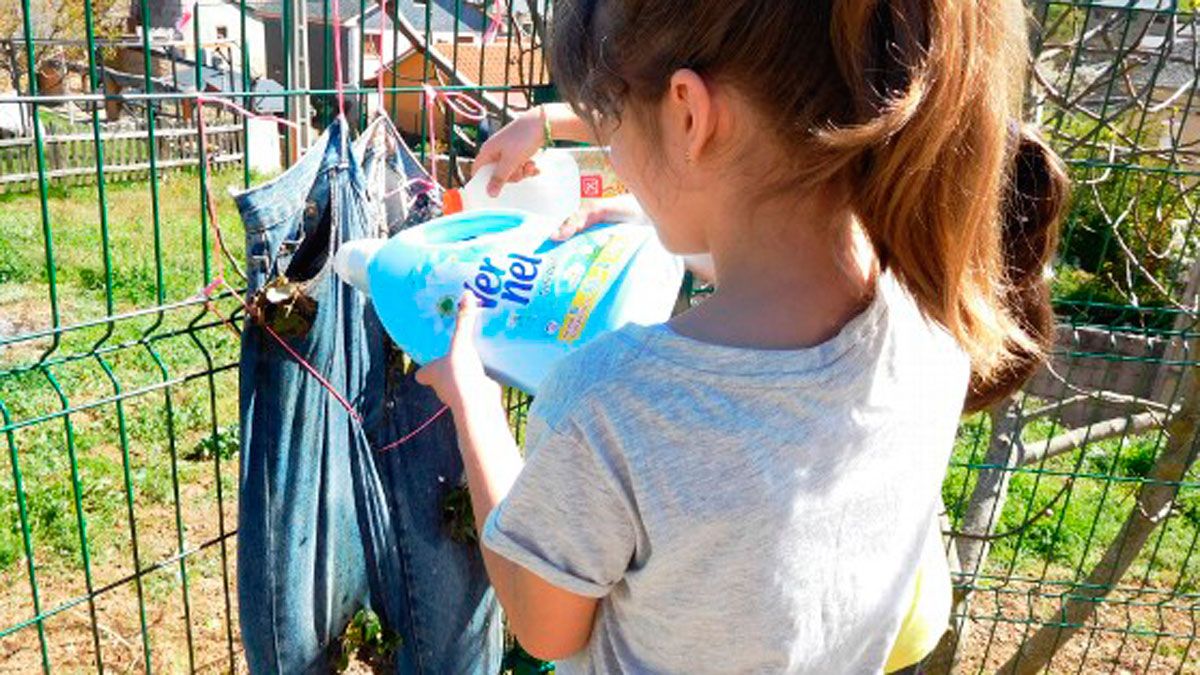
[{"x": 567, "y": 518}]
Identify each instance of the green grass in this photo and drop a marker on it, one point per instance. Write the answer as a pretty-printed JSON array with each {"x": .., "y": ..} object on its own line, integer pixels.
[
  {"x": 160, "y": 442},
  {"x": 1066, "y": 533},
  {"x": 141, "y": 256}
]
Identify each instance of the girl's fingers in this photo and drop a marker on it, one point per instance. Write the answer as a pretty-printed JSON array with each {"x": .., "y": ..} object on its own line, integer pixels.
[
  {"x": 566, "y": 230},
  {"x": 488, "y": 154},
  {"x": 575, "y": 225},
  {"x": 598, "y": 216},
  {"x": 464, "y": 327},
  {"x": 425, "y": 374}
]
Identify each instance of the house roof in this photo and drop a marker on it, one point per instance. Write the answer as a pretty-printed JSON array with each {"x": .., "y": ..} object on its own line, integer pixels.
[
  {"x": 317, "y": 10},
  {"x": 493, "y": 65},
  {"x": 501, "y": 66},
  {"x": 472, "y": 16}
]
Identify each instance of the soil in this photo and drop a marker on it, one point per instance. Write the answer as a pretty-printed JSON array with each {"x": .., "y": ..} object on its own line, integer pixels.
[
  {"x": 68, "y": 633},
  {"x": 1003, "y": 620}
]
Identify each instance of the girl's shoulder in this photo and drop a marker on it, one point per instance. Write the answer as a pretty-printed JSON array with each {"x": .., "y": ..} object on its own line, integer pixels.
[{"x": 587, "y": 373}]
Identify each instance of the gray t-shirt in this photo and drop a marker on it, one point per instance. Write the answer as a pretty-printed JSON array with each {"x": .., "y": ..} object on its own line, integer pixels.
[{"x": 739, "y": 510}]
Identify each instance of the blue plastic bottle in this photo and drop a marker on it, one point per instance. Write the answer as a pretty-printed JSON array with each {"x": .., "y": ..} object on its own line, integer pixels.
[{"x": 540, "y": 299}]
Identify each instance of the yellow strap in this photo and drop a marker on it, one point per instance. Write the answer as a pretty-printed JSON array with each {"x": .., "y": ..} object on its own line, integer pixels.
[{"x": 929, "y": 611}]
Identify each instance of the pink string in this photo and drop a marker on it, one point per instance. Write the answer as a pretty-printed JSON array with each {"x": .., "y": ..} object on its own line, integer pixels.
[
  {"x": 423, "y": 184},
  {"x": 185, "y": 18},
  {"x": 455, "y": 101},
  {"x": 337, "y": 59},
  {"x": 383, "y": 21},
  {"x": 219, "y": 281},
  {"x": 493, "y": 28},
  {"x": 244, "y": 112},
  {"x": 207, "y": 292},
  {"x": 415, "y": 432},
  {"x": 423, "y": 187},
  {"x": 312, "y": 371}
]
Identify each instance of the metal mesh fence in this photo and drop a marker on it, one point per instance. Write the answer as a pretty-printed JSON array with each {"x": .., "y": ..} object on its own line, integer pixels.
[{"x": 1072, "y": 510}]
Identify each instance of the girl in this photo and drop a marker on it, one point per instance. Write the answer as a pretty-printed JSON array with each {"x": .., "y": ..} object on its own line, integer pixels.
[{"x": 748, "y": 487}]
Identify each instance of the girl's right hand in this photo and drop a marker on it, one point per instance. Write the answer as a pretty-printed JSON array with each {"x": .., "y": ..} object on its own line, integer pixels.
[{"x": 511, "y": 148}]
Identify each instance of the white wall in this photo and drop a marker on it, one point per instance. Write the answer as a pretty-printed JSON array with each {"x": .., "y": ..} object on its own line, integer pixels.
[
  {"x": 394, "y": 43},
  {"x": 216, "y": 16}
]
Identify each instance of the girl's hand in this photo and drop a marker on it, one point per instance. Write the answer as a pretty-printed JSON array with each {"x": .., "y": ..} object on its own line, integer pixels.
[
  {"x": 623, "y": 209},
  {"x": 511, "y": 148},
  {"x": 620, "y": 209},
  {"x": 458, "y": 377}
]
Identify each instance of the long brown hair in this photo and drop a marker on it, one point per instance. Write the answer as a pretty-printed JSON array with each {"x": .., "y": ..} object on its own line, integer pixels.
[{"x": 907, "y": 103}]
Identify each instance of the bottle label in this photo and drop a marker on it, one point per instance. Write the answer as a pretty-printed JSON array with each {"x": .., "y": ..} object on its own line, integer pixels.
[
  {"x": 511, "y": 282},
  {"x": 591, "y": 186},
  {"x": 593, "y": 285}
]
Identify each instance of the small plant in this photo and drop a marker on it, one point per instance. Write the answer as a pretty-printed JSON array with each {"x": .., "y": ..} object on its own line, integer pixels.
[
  {"x": 224, "y": 444},
  {"x": 519, "y": 662},
  {"x": 285, "y": 306},
  {"x": 369, "y": 641},
  {"x": 458, "y": 517}
]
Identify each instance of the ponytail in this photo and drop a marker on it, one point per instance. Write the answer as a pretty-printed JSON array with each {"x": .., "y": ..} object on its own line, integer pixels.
[
  {"x": 1034, "y": 205},
  {"x": 932, "y": 175}
]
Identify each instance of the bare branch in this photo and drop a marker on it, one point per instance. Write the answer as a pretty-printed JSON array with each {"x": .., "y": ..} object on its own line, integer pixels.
[{"x": 1093, "y": 433}]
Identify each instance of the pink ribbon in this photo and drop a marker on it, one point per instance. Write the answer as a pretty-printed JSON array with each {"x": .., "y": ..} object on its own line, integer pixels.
[{"x": 493, "y": 28}]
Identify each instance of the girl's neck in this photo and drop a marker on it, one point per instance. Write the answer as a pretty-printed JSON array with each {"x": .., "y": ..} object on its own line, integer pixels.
[{"x": 789, "y": 278}]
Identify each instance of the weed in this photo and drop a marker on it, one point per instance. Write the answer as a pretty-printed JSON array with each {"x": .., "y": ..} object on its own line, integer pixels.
[
  {"x": 224, "y": 444},
  {"x": 369, "y": 641},
  {"x": 457, "y": 516}
]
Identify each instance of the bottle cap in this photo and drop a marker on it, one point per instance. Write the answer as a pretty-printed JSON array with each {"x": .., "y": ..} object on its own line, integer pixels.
[{"x": 452, "y": 202}]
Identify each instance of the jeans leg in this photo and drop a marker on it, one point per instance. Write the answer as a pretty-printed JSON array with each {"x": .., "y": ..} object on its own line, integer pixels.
[
  {"x": 301, "y": 569},
  {"x": 432, "y": 589}
]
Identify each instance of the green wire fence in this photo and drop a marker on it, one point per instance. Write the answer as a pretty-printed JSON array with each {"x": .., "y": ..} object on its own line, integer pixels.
[{"x": 1072, "y": 510}]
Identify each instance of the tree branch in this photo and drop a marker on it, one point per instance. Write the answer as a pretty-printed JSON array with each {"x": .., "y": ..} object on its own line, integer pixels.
[{"x": 1093, "y": 433}]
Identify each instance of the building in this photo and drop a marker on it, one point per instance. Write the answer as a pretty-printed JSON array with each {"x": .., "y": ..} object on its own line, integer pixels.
[
  {"x": 502, "y": 63},
  {"x": 322, "y": 27},
  {"x": 173, "y": 25},
  {"x": 379, "y": 40},
  {"x": 368, "y": 38}
]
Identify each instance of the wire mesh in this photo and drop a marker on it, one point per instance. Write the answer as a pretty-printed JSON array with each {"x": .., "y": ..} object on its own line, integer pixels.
[{"x": 118, "y": 408}]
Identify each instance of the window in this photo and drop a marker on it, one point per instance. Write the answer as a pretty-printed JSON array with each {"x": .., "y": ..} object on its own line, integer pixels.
[{"x": 222, "y": 33}]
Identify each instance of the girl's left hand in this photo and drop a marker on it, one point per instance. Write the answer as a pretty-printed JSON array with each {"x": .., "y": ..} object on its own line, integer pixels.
[
  {"x": 619, "y": 209},
  {"x": 458, "y": 377}
]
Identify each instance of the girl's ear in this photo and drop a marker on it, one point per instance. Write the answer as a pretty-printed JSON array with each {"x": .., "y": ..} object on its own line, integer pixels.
[{"x": 691, "y": 112}]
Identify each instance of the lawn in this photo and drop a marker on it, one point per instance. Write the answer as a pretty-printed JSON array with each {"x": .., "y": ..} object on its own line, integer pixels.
[
  {"x": 1059, "y": 517},
  {"x": 149, "y": 446}
]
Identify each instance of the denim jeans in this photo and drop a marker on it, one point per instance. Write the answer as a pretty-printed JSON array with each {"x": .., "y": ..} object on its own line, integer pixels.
[
  {"x": 437, "y": 594},
  {"x": 327, "y": 525}
]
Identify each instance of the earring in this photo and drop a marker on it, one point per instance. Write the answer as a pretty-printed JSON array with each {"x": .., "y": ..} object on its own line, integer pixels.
[{"x": 687, "y": 156}]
